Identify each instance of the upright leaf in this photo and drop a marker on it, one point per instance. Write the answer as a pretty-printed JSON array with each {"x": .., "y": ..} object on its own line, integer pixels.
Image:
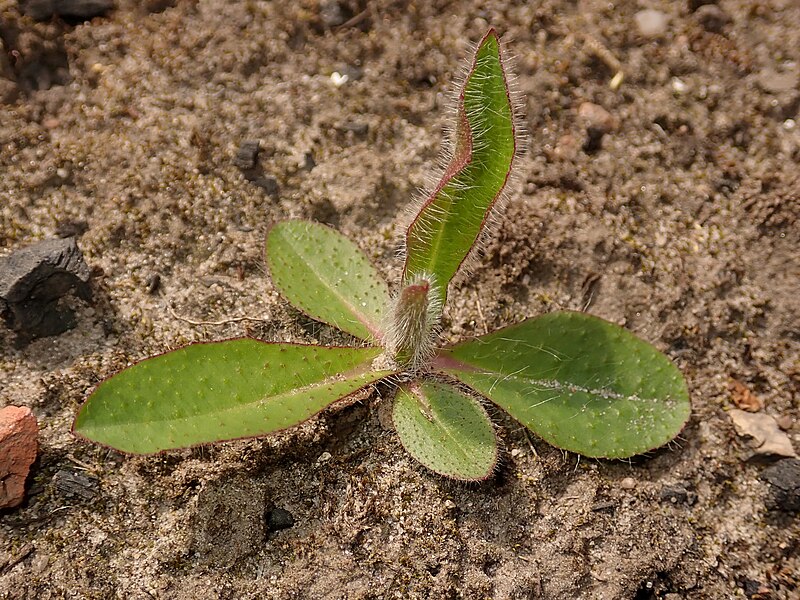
[
  {"x": 445, "y": 430},
  {"x": 326, "y": 276},
  {"x": 452, "y": 217},
  {"x": 581, "y": 383},
  {"x": 219, "y": 391}
]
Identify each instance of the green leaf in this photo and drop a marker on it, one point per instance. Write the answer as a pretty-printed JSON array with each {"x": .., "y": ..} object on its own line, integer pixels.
[
  {"x": 579, "y": 382},
  {"x": 446, "y": 430},
  {"x": 326, "y": 276},
  {"x": 453, "y": 216},
  {"x": 219, "y": 391}
]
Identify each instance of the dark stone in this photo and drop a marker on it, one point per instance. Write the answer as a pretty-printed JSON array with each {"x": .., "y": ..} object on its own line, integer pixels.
[
  {"x": 677, "y": 494},
  {"x": 604, "y": 506},
  {"x": 247, "y": 155},
  {"x": 594, "y": 139},
  {"x": 153, "y": 283},
  {"x": 750, "y": 587},
  {"x": 268, "y": 184},
  {"x": 279, "y": 518},
  {"x": 75, "y": 485},
  {"x": 41, "y": 10},
  {"x": 784, "y": 480},
  {"x": 34, "y": 278}
]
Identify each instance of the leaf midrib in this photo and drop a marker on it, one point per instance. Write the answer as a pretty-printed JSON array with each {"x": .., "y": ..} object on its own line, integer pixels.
[
  {"x": 249, "y": 405},
  {"x": 371, "y": 327},
  {"x": 448, "y": 430},
  {"x": 562, "y": 386}
]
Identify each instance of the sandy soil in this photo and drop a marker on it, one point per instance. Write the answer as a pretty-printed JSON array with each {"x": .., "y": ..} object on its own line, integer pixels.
[{"x": 681, "y": 224}]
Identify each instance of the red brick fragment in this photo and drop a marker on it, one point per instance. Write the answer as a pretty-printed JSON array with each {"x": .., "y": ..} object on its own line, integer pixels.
[{"x": 19, "y": 435}]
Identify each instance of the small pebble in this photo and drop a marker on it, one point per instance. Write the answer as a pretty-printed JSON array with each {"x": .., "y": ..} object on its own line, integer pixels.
[
  {"x": 784, "y": 480},
  {"x": 651, "y": 23},
  {"x": 596, "y": 116},
  {"x": 19, "y": 435},
  {"x": 75, "y": 485},
  {"x": 602, "y": 506},
  {"x": 516, "y": 452},
  {"x": 677, "y": 494},
  {"x": 567, "y": 147},
  {"x": 628, "y": 483},
  {"x": 762, "y": 433},
  {"x": 449, "y": 504},
  {"x": 247, "y": 155},
  {"x": 339, "y": 79},
  {"x": 678, "y": 85},
  {"x": 594, "y": 140},
  {"x": 279, "y": 518},
  {"x": 324, "y": 457},
  {"x": 39, "y": 564},
  {"x": 153, "y": 283},
  {"x": 268, "y": 184},
  {"x": 33, "y": 278}
]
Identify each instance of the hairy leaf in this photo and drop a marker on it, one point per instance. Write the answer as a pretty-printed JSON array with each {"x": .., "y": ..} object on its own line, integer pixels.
[
  {"x": 452, "y": 217},
  {"x": 446, "y": 430},
  {"x": 326, "y": 276},
  {"x": 219, "y": 391},
  {"x": 579, "y": 382}
]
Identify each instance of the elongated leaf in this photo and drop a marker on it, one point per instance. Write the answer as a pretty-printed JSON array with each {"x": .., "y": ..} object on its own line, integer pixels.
[
  {"x": 581, "y": 383},
  {"x": 451, "y": 219},
  {"x": 218, "y": 391},
  {"x": 326, "y": 276},
  {"x": 445, "y": 430}
]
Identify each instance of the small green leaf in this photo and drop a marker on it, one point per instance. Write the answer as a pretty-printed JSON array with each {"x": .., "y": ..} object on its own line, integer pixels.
[
  {"x": 451, "y": 219},
  {"x": 220, "y": 391},
  {"x": 446, "y": 430},
  {"x": 326, "y": 276},
  {"x": 579, "y": 382}
]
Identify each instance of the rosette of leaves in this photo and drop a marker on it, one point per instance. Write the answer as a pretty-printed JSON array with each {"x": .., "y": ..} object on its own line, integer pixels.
[{"x": 580, "y": 383}]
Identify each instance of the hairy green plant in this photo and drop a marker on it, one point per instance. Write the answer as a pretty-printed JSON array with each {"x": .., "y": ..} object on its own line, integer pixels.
[{"x": 581, "y": 383}]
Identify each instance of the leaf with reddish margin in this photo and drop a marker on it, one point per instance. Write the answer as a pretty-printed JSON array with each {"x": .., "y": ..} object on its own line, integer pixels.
[
  {"x": 326, "y": 276},
  {"x": 452, "y": 218},
  {"x": 581, "y": 383},
  {"x": 220, "y": 391},
  {"x": 446, "y": 430}
]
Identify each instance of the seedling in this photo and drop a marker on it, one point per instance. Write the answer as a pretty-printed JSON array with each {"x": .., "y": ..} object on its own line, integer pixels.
[{"x": 579, "y": 382}]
